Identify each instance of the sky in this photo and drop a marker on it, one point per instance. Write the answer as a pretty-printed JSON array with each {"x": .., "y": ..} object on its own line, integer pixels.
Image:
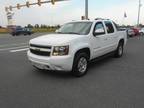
[{"x": 66, "y": 11}]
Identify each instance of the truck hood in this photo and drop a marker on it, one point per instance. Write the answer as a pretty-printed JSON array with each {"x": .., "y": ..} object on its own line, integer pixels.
[{"x": 55, "y": 39}]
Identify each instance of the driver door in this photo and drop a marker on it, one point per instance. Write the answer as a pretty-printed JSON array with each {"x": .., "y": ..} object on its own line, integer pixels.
[{"x": 99, "y": 41}]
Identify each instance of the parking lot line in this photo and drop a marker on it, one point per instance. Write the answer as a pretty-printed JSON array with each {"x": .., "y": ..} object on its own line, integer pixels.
[
  {"x": 7, "y": 45},
  {"x": 19, "y": 50},
  {"x": 12, "y": 48}
]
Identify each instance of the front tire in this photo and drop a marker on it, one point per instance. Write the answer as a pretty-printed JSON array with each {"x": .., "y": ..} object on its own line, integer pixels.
[
  {"x": 80, "y": 65},
  {"x": 119, "y": 51}
]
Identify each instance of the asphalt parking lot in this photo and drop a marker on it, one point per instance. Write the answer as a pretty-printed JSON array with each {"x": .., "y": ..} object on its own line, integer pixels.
[{"x": 110, "y": 83}]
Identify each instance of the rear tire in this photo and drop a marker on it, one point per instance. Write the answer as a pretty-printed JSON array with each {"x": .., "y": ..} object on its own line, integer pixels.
[
  {"x": 119, "y": 51},
  {"x": 80, "y": 64}
]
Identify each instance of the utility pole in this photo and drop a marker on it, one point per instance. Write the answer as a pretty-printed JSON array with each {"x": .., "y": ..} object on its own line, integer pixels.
[
  {"x": 139, "y": 9},
  {"x": 86, "y": 9}
]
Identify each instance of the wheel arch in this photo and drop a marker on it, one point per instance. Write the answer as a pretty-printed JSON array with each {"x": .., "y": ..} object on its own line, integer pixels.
[
  {"x": 122, "y": 41},
  {"x": 84, "y": 50}
]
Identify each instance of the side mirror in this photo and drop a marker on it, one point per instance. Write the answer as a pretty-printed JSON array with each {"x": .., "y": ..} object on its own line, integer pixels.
[{"x": 99, "y": 31}]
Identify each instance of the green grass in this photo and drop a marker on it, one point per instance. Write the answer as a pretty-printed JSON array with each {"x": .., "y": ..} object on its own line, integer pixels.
[
  {"x": 3, "y": 32},
  {"x": 43, "y": 30},
  {"x": 37, "y": 30}
]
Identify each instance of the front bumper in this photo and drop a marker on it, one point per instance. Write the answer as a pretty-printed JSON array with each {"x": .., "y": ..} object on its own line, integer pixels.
[{"x": 58, "y": 63}]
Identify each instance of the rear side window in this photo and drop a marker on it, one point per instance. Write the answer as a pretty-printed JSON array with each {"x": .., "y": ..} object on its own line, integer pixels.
[{"x": 109, "y": 27}]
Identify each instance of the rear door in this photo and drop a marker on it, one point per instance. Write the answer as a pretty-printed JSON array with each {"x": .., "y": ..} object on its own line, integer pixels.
[{"x": 111, "y": 36}]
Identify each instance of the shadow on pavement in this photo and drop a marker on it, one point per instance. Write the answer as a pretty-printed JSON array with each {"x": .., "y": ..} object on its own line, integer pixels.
[{"x": 55, "y": 74}]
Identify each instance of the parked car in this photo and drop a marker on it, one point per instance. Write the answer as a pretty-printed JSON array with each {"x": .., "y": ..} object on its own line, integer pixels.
[
  {"x": 130, "y": 32},
  {"x": 141, "y": 31},
  {"x": 18, "y": 30},
  {"x": 136, "y": 31},
  {"x": 75, "y": 44}
]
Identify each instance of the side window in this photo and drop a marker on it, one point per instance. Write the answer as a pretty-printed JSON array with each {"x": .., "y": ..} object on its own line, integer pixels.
[
  {"x": 99, "y": 29},
  {"x": 109, "y": 27}
]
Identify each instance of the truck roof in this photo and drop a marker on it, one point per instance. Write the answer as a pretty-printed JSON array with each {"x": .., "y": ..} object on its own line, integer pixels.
[{"x": 97, "y": 19}]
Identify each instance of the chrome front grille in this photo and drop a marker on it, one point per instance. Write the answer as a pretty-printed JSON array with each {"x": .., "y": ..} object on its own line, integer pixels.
[{"x": 40, "y": 50}]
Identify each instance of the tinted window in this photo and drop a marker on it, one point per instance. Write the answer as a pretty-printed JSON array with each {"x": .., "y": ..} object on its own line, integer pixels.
[
  {"x": 109, "y": 27},
  {"x": 99, "y": 27},
  {"x": 19, "y": 28}
]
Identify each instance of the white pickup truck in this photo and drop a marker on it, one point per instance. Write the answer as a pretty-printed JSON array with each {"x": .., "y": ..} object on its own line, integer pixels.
[{"x": 75, "y": 44}]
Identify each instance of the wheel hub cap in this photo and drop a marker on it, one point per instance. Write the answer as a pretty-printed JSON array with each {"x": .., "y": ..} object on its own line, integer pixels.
[
  {"x": 120, "y": 50},
  {"x": 82, "y": 65}
]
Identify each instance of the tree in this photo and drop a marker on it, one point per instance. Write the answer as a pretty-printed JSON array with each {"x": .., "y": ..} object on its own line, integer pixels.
[
  {"x": 36, "y": 26},
  {"x": 58, "y": 26},
  {"x": 141, "y": 25},
  {"x": 30, "y": 26}
]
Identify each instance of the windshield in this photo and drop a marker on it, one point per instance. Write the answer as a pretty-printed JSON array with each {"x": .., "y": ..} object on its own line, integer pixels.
[{"x": 80, "y": 28}]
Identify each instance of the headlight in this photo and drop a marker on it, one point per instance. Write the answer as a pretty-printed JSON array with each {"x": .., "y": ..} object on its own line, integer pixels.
[{"x": 60, "y": 50}]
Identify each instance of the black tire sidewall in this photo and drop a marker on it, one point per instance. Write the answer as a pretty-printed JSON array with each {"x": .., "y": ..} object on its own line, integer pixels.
[
  {"x": 117, "y": 51},
  {"x": 75, "y": 70}
]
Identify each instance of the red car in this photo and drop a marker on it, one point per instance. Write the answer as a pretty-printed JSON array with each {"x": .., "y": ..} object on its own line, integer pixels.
[{"x": 136, "y": 31}]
